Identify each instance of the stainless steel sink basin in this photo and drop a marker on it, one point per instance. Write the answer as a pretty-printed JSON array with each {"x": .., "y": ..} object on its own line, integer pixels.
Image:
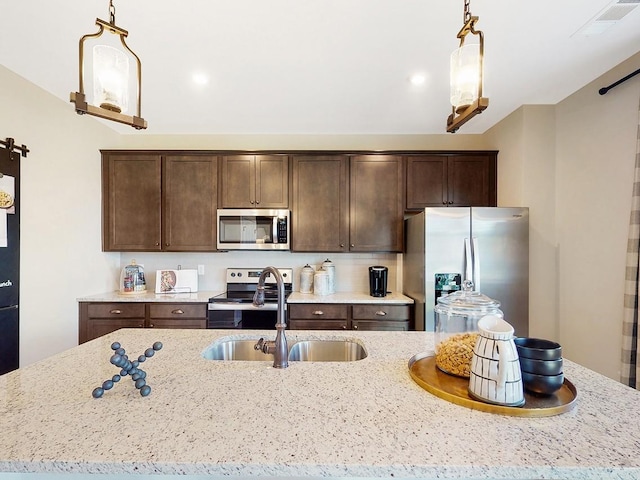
[
  {"x": 235, "y": 350},
  {"x": 304, "y": 351},
  {"x": 327, "y": 351}
]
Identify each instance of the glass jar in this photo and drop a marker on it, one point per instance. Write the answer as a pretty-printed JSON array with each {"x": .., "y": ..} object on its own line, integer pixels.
[
  {"x": 132, "y": 279},
  {"x": 457, "y": 316}
]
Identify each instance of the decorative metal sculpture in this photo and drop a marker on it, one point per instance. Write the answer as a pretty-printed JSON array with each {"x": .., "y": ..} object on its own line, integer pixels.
[{"x": 128, "y": 367}]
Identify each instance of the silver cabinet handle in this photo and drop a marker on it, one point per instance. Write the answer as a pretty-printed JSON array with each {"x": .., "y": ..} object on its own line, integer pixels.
[
  {"x": 151, "y": 325},
  {"x": 344, "y": 327},
  {"x": 115, "y": 312},
  {"x": 318, "y": 312},
  {"x": 177, "y": 312},
  {"x": 380, "y": 313},
  {"x": 355, "y": 327}
]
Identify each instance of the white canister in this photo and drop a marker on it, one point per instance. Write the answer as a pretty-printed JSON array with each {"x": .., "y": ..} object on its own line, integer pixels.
[
  {"x": 321, "y": 283},
  {"x": 306, "y": 279},
  {"x": 330, "y": 268}
]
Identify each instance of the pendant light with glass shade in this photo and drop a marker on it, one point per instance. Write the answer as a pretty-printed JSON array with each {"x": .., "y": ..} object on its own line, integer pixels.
[
  {"x": 110, "y": 79},
  {"x": 466, "y": 75}
]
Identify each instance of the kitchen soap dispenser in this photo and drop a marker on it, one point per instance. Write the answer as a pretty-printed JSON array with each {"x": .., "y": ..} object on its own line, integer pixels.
[{"x": 132, "y": 279}]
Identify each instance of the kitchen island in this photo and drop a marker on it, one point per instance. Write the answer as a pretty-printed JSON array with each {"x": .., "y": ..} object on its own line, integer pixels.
[{"x": 366, "y": 418}]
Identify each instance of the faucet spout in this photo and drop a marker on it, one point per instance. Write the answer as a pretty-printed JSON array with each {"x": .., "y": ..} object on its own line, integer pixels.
[{"x": 279, "y": 348}]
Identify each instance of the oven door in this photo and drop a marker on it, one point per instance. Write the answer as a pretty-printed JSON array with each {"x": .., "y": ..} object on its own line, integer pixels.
[{"x": 242, "y": 315}]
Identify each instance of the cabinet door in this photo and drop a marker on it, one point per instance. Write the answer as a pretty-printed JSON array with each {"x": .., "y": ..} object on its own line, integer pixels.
[
  {"x": 380, "y": 317},
  {"x": 380, "y": 325},
  {"x": 426, "y": 181},
  {"x": 319, "y": 325},
  {"x": 189, "y": 323},
  {"x": 131, "y": 198},
  {"x": 177, "y": 315},
  {"x": 272, "y": 181},
  {"x": 190, "y": 185},
  {"x": 469, "y": 181},
  {"x": 376, "y": 204},
  {"x": 238, "y": 180},
  {"x": 320, "y": 215},
  {"x": 318, "y": 316},
  {"x": 96, "y": 327},
  {"x": 97, "y": 319}
]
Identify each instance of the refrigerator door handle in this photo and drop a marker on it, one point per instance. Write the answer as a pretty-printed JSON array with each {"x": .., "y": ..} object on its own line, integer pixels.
[
  {"x": 476, "y": 265},
  {"x": 468, "y": 261}
]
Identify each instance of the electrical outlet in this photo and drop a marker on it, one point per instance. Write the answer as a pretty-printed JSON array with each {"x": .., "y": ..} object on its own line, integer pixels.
[{"x": 200, "y": 269}]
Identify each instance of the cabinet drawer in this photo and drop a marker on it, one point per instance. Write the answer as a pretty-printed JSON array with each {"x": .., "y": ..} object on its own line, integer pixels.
[
  {"x": 319, "y": 311},
  {"x": 116, "y": 310},
  {"x": 380, "y": 312},
  {"x": 177, "y": 323},
  {"x": 178, "y": 310},
  {"x": 319, "y": 325},
  {"x": 381, "y": 325}
]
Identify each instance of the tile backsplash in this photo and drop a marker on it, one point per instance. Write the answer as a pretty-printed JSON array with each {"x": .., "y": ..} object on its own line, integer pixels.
[{"x": 352, "y": 269}]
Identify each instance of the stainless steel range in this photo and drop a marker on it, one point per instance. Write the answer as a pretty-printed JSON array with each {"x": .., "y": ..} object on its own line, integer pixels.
[{"x": 234, "y": 308}]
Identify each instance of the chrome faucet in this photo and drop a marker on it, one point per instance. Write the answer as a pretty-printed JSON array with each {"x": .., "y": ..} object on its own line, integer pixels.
[{"x": 278, "y": 348}]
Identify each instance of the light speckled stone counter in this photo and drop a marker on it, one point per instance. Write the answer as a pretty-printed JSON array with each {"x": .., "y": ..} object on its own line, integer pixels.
[
  {"x": 150, "y": 296},
  {"x": 349, "y": 297},
  {"x": 359, "y": 419}
]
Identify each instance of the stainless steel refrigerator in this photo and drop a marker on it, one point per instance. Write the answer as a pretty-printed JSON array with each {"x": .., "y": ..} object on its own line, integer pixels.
[
  {"x": 9, "y": 258},
  {"x": 490, "y": 246}
]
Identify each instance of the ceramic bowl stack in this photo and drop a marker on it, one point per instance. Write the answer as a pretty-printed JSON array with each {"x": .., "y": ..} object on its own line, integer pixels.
[{"x": 541, "y": 365}]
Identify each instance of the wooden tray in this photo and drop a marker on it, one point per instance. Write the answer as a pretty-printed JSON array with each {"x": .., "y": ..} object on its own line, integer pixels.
[{"x": 424, "y": 372}]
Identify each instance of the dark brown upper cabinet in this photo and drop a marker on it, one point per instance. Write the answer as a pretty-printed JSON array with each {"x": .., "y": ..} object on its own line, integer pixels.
[
  {"x": 347, "y": 204},
  {"x": 376, "y": 217},
  {"x": 254, "y": 181},
  {"x": 320, "y": 208},
  {"x": 153, "y": 202},
  {"x": 452, "y": 180}
]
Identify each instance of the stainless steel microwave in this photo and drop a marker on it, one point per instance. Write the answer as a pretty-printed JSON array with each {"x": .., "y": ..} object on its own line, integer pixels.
[{"x": 253, "y": 229}]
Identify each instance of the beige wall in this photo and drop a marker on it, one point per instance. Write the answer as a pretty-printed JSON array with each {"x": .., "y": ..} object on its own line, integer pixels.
[
  {"x": 595, "y": 152},
  {"x": 526, "y": 177},
  {"x": 60, "y": 216},
  {"x": 570, "y": 163}
]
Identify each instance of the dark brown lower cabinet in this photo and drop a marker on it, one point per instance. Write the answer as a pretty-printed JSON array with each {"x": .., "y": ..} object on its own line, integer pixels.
[
  {"x": 326, "y": 316},
  {"x": 100, "y": 318}
]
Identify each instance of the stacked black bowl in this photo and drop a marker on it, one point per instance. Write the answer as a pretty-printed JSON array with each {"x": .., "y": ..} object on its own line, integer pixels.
[{"x": 540, "y": 364}]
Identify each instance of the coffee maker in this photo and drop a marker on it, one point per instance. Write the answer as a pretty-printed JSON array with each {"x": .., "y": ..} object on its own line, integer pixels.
[{"x": 378, "y": 281}]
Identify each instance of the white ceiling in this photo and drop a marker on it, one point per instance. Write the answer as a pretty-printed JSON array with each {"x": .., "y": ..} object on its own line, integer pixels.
[{"x": 318, "y": 66}]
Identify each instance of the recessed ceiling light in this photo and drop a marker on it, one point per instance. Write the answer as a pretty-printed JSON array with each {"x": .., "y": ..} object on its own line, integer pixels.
[
  {"x": 200, "y": 78},
  {"x": 418, "y": 79}
]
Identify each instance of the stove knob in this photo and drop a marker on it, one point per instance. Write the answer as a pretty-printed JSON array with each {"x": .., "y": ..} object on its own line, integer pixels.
[
  {"x": 233, "y": 274},
  {"x": 239, "y": 274}
]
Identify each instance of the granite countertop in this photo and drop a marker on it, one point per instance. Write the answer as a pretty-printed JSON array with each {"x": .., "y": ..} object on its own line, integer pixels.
[
  {"x": 355, "y": 419},
  {"x": 151, "y": 296},
  {"x": 295, "y": 297},
  {"x": 349, "y": 297}
]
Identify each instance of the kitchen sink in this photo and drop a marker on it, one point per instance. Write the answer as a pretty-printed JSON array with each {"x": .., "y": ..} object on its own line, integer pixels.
[
  {"x": 303, "y": 351},
  {"x": 327, "y": 351},
  {"x": 235, "y": 350}
]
